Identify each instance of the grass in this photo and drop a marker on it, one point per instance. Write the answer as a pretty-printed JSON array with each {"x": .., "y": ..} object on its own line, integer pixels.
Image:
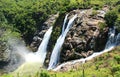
[
  {"x": 27, "y": 69},
  {"x": 105, "y": 65}
]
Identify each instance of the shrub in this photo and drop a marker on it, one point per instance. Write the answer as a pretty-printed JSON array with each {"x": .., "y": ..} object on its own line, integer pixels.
[
  {"x": 110, "y": 18},
  {"x": 119, "y": 9},
  {"x": 117, "y": 24},
  {"x": 96, "y": 7},
  {"x": 117, "y": 3},
  {"x": 117, "y": 58},
  {"x": 94, "y": 13},
  {"x": 115, "y": 69},
  {"x": 117, "y": 74},
  {"x": 29, "y": 16},
  {"x": 102, "y": 25},
  {"x": 44, "y": 74}
]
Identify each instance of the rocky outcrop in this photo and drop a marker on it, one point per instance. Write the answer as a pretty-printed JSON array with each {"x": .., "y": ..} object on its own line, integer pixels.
[
  {"x": 75, "y": 64},
  {"x": 4, "y": 51},
  {"x": 10, "y": 58},
  {"x": 37, "y": 39},
  {"x": 85, "y": 37}
]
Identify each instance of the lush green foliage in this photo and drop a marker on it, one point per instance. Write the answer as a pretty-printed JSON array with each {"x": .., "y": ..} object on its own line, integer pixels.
[
  {"x": 110, "y": 18},
  {"x": 28, "y": 16},
  {"x": 117, "y": 24},
  {"x": 113, "y": 16},
  {"x": 106, "y": 65},
  {"x": 102, "y": 26},
  {"x": 7, "y": 32}
]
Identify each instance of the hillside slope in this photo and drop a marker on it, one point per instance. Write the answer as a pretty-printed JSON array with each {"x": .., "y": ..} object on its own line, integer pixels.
[{"x": 105, "y": 65}]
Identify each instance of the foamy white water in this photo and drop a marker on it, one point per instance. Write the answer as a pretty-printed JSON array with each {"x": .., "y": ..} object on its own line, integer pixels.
[
  {"x": 40, "y": 55},
  {"x": 83, "y": 60},
  {"x": 113, "y": 41},
  {"x": 56, "y": 51},
  {"x": 65, "y": 20},
  {"x": 42, "y": 50}
]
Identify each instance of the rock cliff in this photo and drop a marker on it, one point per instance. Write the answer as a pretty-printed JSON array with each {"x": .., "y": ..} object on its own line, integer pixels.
[{"x": 85, "y": 37}]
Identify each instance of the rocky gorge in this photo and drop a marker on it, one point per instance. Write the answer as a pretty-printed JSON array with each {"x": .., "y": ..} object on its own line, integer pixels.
[
  {"x": 84, "y": 38},
  {"x": 5, "y": 52},
  {"x": 59, "y": 38}
]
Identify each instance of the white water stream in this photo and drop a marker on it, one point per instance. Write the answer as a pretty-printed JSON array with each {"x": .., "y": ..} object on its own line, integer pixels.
[
  {"x": 111, "y": 43},
  {"x": 40, "y": 55},
  {"x": 56, "y": 51}
]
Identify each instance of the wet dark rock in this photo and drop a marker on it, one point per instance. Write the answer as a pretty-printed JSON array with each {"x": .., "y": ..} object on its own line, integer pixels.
[
  {"x": 83, "y": 39},
  {"x": 4, "y": 52},
  {"x": 85, "y": 36},
  {"x": 37, "y": 39},
  {"x": 101, "y": 40},
  {"x": 9, "y": 60}
]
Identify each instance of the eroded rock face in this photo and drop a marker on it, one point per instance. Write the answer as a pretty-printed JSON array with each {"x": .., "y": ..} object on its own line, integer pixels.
[
  {"x": 37, "y": 39},
  {"x": 4, "y": 52},
  {"x": 9, "y": 58},
  {"x": 85, "y": 37}
]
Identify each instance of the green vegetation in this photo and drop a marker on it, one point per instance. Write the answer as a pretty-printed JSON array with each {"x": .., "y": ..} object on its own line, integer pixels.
[
  {"x": 7, "y": 32},
  {"x": 102, "y": 26},
  {"x": 94, "y": 13},
  {"x": 117, "y": 24},
  {"x": 106, "y": 65},
  {"x": 110, "y": 18},
  {"x": 56, "y": 30},
  {"x": 22, "y": 18},
  {"x": 28, "y": 16},
  {"x": 113, "y": 16}
]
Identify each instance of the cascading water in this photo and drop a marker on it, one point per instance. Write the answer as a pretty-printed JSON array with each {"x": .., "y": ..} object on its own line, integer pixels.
[
  {"x": 113, "y": 40},
  {"x": 111, "y": 43},
  {"x": 63, "y": 28},
  {"x": 56, "y": 51},
  {"x": 118, "y": 39},
  {"x": 42, "y": 50},
  {"x": 20, "y": 55}
]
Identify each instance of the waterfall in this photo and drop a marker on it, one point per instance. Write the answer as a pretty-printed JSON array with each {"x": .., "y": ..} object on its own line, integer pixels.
[
  {"x": 20, "y": 55},
  {"x": 63, "y": 28},
  {"x": 111, "y": 43},
  {"x": 42, "y": 50},
  {"x": 118, "y": 39},
  {"x": 56, "y": 51},
  {"x": 113, "y": 40}
]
